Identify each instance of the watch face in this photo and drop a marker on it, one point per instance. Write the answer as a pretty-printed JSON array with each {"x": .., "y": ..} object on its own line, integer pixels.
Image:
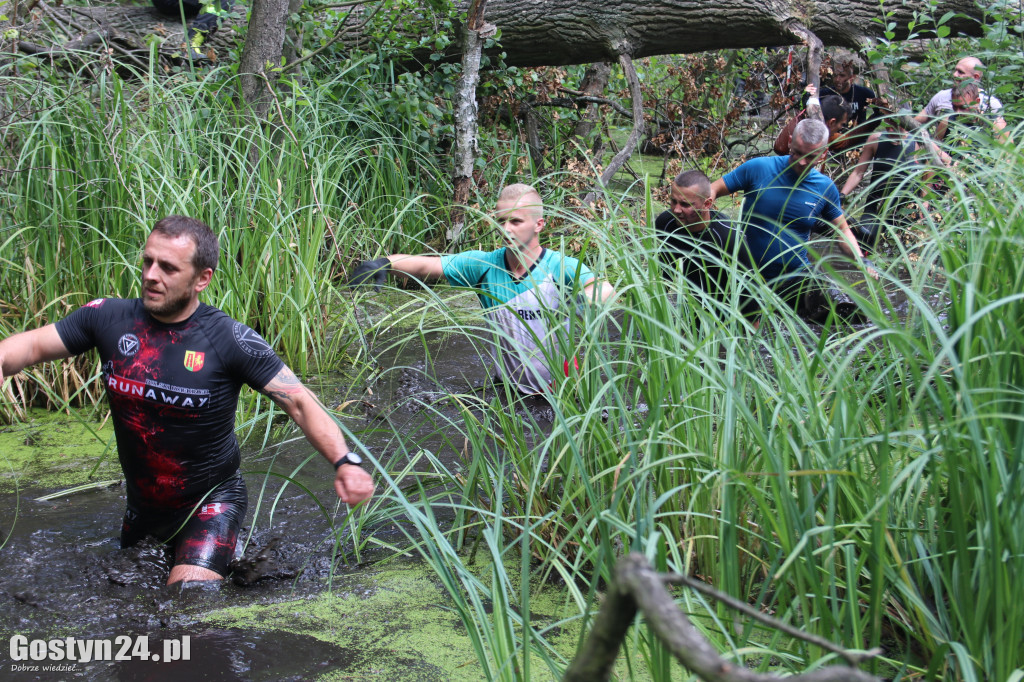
[{"x": 353, "y": 458}]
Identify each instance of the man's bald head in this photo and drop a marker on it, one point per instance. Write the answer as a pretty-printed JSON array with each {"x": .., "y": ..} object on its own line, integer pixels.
[{"x": 968, "y": 67}]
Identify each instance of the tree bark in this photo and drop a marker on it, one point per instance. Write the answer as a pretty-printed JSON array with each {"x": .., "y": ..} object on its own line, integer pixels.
[
  {"x": 465, "y": 116},
  {"x": 595, "y": 80},
  {"x": 261, "y": 56},
  {"x": 558, "y": 32}
]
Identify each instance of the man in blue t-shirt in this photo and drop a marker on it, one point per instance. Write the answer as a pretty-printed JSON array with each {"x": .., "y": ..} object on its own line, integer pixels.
[
  {"x": 786, "y": 196},
  {"x": 173, "y": 367},
  {"x": 520, "y": 286}
]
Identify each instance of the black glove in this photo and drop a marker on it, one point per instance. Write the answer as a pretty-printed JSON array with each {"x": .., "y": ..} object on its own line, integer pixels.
[{"x": 375, "y": 271}]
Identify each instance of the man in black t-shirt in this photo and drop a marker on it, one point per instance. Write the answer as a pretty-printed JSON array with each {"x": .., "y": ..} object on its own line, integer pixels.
[
  {"x": 846, "y": 70},
  {"x": 696, "y": 237},
  {"x": 173, "y": 368}
]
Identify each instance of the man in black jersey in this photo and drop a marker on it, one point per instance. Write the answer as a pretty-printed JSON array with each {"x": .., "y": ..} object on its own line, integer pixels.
[
  {"x": 173, "y": 368},
  {"x": 696, "y": 237}
]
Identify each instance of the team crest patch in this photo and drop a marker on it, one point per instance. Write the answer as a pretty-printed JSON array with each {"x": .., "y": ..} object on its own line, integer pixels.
[
  {"x": 194, "y": 360},
  {"x": 128, "y": 345},
  {"x": 250, "y": 342}
]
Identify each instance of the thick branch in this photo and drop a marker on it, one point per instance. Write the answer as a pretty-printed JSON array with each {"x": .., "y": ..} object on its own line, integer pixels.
[
  {"x": 815, "y": 53},
  {"x": 638, "y": 126},
  {"x": 638, "y": 587}
]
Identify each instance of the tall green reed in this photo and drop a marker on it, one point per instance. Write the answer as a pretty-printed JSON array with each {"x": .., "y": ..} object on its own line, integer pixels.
[
  {"x": 861, "y": 482},
  {"x": 91, "y": 171}
]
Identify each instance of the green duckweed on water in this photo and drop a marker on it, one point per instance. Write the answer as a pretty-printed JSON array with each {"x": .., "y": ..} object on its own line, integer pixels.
[
  {"x": 397, "y": 624},
  {"x": 52, "y": 451}
]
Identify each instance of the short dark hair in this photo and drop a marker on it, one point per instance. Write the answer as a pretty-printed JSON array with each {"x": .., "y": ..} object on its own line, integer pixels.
[
  {"x": 207, "y": 245},
  {"x": 834, "y": 106},
  {"x": 694, "y": 178}
]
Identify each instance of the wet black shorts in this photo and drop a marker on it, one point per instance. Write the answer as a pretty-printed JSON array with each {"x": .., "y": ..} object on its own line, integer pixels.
[{"x": 202, "y": 536}]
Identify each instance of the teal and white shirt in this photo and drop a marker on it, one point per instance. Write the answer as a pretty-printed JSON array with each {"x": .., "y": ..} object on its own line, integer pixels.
[{"x": 522, "y": 309}]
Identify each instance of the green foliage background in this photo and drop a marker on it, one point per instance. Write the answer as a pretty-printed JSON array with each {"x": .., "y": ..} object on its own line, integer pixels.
[{"x": 863, "y": 483}]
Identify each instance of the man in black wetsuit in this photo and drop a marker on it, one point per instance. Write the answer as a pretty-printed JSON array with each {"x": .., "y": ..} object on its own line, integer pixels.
[{"x": 173, "y": 368}]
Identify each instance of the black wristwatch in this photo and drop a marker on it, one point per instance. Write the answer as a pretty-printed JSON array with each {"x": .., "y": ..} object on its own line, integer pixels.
[{"x": 348, "y": 458}]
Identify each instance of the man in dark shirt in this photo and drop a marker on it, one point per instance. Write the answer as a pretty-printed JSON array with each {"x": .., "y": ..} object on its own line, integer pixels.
[
  {"x": 696, "y": 237},
  {"x": 836, "y": 113},
  {"x": 173, "y": 368},
  {"x": 889, "y": 155},
  {"x": 858, "y": 97}
]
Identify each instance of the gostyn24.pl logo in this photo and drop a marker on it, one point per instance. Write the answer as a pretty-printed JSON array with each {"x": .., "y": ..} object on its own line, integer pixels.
[{"x": 29, "y": 655}]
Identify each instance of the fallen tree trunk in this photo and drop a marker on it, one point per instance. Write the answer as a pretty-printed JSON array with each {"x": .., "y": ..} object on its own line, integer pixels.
[
  {"x": 71, "y": 35},
  {"x": 558, "y": 32}
]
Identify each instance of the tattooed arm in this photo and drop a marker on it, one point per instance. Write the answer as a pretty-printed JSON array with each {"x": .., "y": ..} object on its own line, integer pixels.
[{"x": 352, "y": 483}]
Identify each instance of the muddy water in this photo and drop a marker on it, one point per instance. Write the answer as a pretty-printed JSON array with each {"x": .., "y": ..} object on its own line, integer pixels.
[{"x": 62, "y": 573}]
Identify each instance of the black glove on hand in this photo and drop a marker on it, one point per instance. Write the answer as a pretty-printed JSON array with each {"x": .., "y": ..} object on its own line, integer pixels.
[{"x": 375, "y": 271}]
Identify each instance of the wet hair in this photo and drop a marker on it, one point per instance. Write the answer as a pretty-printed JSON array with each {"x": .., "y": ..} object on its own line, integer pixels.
[
  {"x": 695, "y": 179},
  {"x": 966, "y": 89},
  {"x": 513, "y": 193},
  {"x": 811, "y": 131},
  {"x": 835, "y": 107},
  {"x": 207, "y": 245}
]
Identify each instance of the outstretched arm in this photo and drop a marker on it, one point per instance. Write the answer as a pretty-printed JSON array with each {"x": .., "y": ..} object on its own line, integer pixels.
[
  {"x": 423, "y": 268},
  {"x": 28, "y": 348},
  {"x": 352, "y": 484},
  {"x": 375, "y": 272},
  {"x": 863, "y": 163},
  {"x": 848, "y": 244}
]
